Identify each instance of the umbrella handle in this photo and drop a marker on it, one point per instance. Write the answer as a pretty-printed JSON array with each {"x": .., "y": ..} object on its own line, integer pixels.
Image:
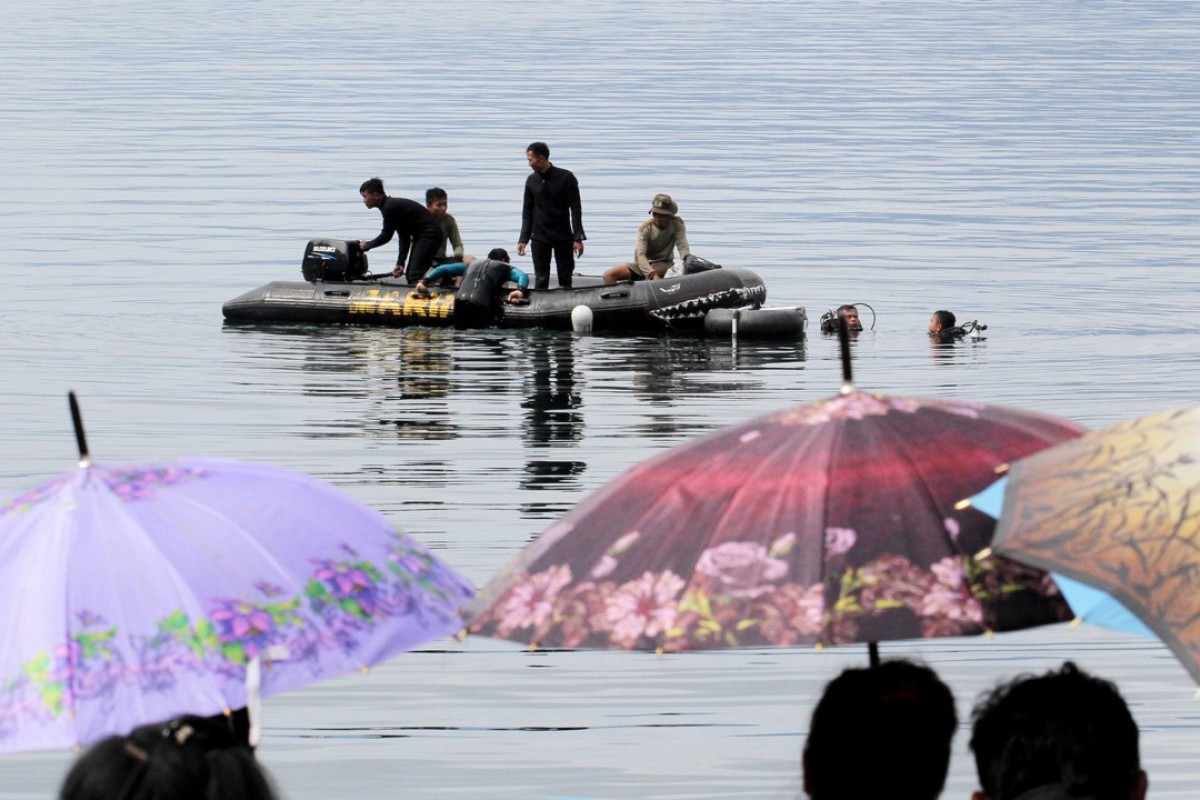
[{"x": 80, "y": 436}]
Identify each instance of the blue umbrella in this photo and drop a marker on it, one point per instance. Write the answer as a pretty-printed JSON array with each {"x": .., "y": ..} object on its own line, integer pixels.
[{"x": 1087, "y": 603}]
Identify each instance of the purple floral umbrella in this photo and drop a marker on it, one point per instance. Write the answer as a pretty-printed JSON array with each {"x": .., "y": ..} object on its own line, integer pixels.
[{"x": 137, "y": 593}]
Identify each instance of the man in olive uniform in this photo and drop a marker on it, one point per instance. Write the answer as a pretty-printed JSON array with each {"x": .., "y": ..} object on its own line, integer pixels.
[{"x": 657, "y": 239}]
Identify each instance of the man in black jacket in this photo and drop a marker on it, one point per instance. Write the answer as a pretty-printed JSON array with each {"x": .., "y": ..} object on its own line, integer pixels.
[
  {"x": 551, "y": 218},
  {"x": 415, "y": 224}
]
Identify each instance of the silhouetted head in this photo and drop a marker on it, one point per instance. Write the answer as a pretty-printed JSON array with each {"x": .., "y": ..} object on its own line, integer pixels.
[
  {"x": 1065, "y": 729},
  {"x": 186, "y": 758},
  {"x": 881, "y": 732}
]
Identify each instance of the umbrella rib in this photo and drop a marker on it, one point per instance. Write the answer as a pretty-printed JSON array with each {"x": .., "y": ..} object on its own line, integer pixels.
[
  {"x": 902, "y": 452},
  {"x": 244, "y": 535},
  {"x": 174, "y": 578}
]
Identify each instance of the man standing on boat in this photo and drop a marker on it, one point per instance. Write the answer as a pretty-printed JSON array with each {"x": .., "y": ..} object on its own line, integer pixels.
[
  {"x": 420, "y": 234},
  {"x": 551, "y": 218}
]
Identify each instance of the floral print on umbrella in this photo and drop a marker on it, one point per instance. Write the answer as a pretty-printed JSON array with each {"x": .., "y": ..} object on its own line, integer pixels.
[
  {"x": 133, "y": 483},
  {"x": 740, "y": 595},
  {"x": 343, "y": 599}
]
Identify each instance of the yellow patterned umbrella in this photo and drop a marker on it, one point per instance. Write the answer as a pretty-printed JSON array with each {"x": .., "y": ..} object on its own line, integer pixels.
[{"x": 1119, "y": 510}]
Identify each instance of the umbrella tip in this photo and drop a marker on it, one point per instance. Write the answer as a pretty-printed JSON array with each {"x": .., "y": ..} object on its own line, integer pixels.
[
  {"x": 984, "y": 554},
  {"x": 80, "y": 436},
  {"x": 962, "y": 505},
  {"x": 1002, "y": 469}
]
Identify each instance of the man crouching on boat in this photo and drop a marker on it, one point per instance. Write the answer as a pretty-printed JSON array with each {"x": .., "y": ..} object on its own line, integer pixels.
[
  {"x": 657, "y": 238},
  {"x": 420, "y": 235}
]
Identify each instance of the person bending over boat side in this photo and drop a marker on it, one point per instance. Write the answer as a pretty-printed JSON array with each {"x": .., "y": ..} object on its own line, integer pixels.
[
  {"x": 437, "y": 201},
  {"x": 551, "y": 218},
  {"x": 657, "y": 239},
  {"x": 497, "y": 259},
  {"x": 419, "y": 231}
]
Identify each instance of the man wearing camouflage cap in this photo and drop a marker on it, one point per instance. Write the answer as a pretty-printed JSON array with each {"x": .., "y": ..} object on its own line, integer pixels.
[{"x": 657, "y": 239}]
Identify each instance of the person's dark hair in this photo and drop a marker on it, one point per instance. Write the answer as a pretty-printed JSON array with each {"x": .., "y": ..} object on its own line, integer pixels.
[
  {"x": 434, "y": 194},
  {"x": 186, "y": 758},
  {"x": 500, "y": 254},
  {"x": 945, "y": 318},
  {"x": 1065, "y": 728},
  {"x": 881, "y": 731},
  {"x": 841, "y": 310},
  {"x": 372, "y": 185},
  {"x": 539, "y": 149}
]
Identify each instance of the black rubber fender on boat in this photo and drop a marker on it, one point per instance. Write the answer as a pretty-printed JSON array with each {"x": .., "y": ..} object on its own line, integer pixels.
[{"x": 757, "y": 323}]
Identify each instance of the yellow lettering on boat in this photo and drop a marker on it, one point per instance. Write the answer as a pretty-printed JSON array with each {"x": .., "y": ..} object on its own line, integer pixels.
[
  {"x": 436, "y": 306},
  {"x": 403, "y": 304}
]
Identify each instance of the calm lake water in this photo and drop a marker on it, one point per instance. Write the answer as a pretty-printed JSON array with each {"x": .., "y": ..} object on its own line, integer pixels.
[{"x": 1031, "y": 165}]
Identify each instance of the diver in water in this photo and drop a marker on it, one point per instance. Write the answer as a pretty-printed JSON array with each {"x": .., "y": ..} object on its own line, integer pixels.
[
  {"x": 941, "y": 325},
  {"x": 847, "y": 312},
  {"x": 944, "y": 328}
]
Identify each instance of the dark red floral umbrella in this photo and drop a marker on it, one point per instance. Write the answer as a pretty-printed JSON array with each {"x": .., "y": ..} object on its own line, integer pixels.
[{"x": 824, "y": 524}]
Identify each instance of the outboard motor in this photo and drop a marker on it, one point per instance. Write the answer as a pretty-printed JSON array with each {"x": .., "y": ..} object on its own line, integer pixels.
[
  {"x": 477, "y": 302},
  {"x": 333, "y": 260}
]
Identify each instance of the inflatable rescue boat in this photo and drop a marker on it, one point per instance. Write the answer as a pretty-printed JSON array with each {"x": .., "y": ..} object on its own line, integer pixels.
[{"x": 338, "y": 289}]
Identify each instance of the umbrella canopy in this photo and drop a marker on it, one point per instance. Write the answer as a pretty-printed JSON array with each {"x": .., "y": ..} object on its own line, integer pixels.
[
  {"x": 133, "y": 594},
  {"x": 1118, "y": 511},
  {"x": 827, "y": 523},
  {"x": 1087, "y": 603}
]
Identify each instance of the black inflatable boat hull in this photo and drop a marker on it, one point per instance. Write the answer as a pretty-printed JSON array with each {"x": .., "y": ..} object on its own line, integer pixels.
[{"x": 669, "y": 304}]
